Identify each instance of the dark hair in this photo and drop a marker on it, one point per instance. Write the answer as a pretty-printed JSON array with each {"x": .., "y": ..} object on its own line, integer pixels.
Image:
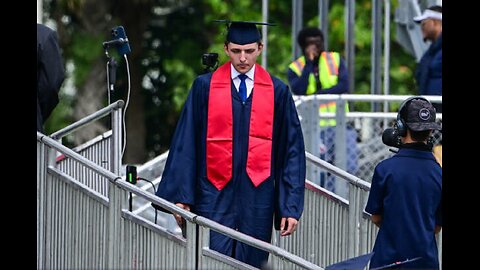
[
  {"x": 308, "y": 32},
  {"x": 436, "y": 8},
  {"x": 226, "y": 42},
  {"x": 420, "y": 136}
]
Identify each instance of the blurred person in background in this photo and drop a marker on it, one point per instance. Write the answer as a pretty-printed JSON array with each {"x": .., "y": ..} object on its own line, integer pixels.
[
  {"x": 428, "y": 73},
  {"x": 50, "y": 73},
  {"x": 323, "y": 72}
]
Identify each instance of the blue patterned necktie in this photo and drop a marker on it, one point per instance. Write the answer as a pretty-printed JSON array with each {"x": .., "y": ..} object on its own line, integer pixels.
[{"x": 242, "y": 89}]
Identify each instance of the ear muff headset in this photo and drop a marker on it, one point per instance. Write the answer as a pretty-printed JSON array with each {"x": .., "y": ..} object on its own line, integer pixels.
[{"x": 400, "y": 125}]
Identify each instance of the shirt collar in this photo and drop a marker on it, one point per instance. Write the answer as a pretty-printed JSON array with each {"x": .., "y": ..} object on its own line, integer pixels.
[{"x": 250, "y": 74}]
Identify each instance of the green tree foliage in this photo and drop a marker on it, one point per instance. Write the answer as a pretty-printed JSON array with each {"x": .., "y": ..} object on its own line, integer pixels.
[{"x": 169, "y": 37}]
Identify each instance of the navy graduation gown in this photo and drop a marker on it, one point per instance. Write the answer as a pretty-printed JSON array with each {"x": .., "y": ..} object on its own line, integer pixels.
[{"x": 239, "y": 205}]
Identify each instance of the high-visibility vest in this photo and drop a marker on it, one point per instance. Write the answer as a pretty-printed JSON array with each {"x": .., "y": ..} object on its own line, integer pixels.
[{"x": 328, "y": 76}]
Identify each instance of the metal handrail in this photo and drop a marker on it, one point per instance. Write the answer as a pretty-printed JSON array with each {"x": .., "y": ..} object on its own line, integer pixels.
[
  {"x": 168, "y": 206},
  {"x": 338, "y": 172},
  {"x": 77, "y": 157},
  {"x": 361, "y": 97},
  {"x": 87, "y": 120},
  {"x": 255, "y": 242}
]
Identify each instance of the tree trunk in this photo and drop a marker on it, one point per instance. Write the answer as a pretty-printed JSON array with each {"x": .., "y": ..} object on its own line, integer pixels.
[
  {"x": 135, "y": 16},
  {"x": 90, "y": 98}
]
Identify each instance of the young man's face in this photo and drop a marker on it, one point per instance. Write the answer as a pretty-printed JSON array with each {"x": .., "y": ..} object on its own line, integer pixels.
[{"x": 243, "y": 57}]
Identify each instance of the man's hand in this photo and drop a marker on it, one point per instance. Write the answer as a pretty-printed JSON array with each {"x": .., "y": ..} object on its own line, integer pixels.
[
  {"x": 177, "y": 217},
  {"x": 376, "y": 219},
  {"x": 288, "y": 226},
  {"x": 311, "y": 51}
]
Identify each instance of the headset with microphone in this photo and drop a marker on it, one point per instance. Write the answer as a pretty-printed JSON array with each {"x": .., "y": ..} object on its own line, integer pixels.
[{"x": 392, "y": 136}]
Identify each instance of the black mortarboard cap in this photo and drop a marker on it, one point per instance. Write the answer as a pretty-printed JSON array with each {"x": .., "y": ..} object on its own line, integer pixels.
[
  {"x": 356, "y": 263},
  {"x": 243, "y": 32}
]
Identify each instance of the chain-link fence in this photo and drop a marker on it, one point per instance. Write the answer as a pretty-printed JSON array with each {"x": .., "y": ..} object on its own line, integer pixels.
[{"x": 354, "y": 141}]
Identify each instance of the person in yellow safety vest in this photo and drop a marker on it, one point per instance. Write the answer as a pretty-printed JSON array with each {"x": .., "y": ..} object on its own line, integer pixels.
[
  {"x": 323, "y": 72},
  {"x": 318, "y": 71}
]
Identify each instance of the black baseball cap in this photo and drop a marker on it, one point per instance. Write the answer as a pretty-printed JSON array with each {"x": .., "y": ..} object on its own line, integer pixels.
[{"x": 421, "y": 115}]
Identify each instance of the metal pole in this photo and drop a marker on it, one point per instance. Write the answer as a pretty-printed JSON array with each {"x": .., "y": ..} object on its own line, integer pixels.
[
  {"x": 376, "y": 51},
  {"x": 352, "y": 224},
  {"x": 323, "y": 20},
  {"x": 350, "y": 43},
  {"x": 297, "y": 22},
  {"x": 116, "y": 196},
  {"x": 42, "y": 152},
  {"x": 341, "y": 186},
  {"x": 264, "y": 32},
  {"x": 116, "y": 143},
  {"x": 39, "y": 11},
  {"x": 386, "y": 64}
]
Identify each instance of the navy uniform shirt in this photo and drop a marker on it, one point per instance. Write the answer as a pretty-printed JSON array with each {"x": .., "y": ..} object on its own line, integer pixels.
[{"x": 406, "y": 191}]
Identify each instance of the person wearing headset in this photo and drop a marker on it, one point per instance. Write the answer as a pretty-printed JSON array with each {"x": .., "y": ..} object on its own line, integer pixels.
[{"x": 405, "y": 199}]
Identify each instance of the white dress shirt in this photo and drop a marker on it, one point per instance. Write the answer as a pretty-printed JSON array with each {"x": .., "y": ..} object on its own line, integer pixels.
[{"x": 249, "y": 81}]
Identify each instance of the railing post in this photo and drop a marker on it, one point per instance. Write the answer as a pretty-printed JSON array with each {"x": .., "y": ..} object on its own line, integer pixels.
[
  {"x": 308, "y": 112},
  {"x": 51, "y": 155},
  {"x": 315, "y": 140},
  {"x": 363, "y": 224},
  {"x": 117, "y": 197},
  {"x": 193, "y": 246},
  {"x": 341, "y": 186},
  {"x": 41, "y": 175},
  {"x": 116, "y": 143},
  {"x": 352, "y": 241}
]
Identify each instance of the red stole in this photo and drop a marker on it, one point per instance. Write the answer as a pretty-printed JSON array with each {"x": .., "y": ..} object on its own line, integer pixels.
[{"x": 220, "y": 128}]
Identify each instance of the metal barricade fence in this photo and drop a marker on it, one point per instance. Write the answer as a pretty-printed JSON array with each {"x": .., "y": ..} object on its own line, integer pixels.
[
  {"x": 355, "y": 142},
  {"x": 103, "y": 150},
  {"x": 331, "y": 229},
  {"x": 79, "y": 228}
]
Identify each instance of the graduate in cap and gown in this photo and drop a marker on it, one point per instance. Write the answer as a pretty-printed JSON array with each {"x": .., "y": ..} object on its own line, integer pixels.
[{"x": 237, "y": 155}]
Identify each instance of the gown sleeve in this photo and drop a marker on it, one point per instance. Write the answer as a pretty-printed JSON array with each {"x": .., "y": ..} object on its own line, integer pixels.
[
  {"x": 291, "y": 167},
  {"x": 180, "y": 174}
]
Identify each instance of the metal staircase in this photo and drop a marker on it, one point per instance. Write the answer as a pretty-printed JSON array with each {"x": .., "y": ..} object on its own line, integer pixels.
[{"x": 84, "y": 221}]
